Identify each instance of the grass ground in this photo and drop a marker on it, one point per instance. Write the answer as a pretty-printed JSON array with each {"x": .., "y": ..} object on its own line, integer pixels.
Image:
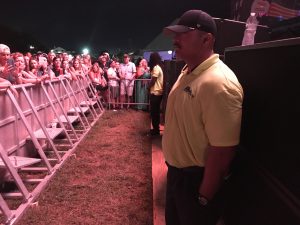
[{"x": 108, "y": 182}]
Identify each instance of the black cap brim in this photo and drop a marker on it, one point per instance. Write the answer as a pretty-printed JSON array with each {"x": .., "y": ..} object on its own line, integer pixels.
[{"x": 176, "y": 29}]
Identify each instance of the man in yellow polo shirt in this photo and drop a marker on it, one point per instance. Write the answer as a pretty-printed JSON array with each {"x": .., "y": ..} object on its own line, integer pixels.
[
  {"x": 156, "y": 90},
  {"x": 202, "y": 124}
]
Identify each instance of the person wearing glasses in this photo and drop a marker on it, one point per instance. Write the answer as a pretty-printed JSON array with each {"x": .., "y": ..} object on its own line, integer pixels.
[{"x": 202, "y": 124}]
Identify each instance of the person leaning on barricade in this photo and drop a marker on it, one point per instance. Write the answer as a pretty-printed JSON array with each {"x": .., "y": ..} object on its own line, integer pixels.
[
  {"x": 5, "y": 85},
  {"x": 77, "y": 70},
  {"x": 7, "y": 65},
  {"x": 65, "y": 65},
  {"x": 56, "y": 67},
  {"x": 50, "y": 57},
  {"x": 44, "y": 71},
  {"x": 86, "y": 63},
  {"x": 23, "y": 76},
  {"x": 27, "y": 57},
  {"x": 96, "y": 75}
]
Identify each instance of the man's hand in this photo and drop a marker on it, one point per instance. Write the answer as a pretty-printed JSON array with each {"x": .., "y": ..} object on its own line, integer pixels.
[{"x": 7, "y": 70}]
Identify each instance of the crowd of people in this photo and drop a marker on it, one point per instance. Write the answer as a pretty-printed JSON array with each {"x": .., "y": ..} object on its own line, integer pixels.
[{"x": 122, "y": 84}]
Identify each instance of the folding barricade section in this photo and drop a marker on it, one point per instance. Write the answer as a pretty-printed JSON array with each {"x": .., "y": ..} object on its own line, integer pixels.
[
  {"x": 75, "y": 108},
  {"x": 57, "y": 123},
  {"x": 86, "y": 102},
  {"x": 47, "y": 134},
  {"x": 93, "y": 94},
  {"x": 67, "y": 120},
  {"x": 84, "y": 87},
  {"x": 39, "y": 115},
  {"x": 22, "y": 118},
  {"x": 13, "y": 164}
]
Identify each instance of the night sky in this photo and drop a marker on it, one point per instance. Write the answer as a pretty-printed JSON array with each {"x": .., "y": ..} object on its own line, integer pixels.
[{"x": 99, "y": 25}]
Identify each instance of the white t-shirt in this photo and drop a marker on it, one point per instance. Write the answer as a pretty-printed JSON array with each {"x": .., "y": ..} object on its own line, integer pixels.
[
  {"x": 112, "y": 77},
  {"x": 127, "y": 70}
]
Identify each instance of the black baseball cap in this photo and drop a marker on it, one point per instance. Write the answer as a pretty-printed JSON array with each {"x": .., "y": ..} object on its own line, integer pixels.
[{"x": 193, "y": 19}]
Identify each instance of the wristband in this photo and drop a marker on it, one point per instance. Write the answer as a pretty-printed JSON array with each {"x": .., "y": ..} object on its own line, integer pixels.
[{"x": 202, "y": 200}]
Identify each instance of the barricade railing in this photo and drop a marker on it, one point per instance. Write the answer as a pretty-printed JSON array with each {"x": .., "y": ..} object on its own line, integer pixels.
[
  {"x": 32, "y": 118},
  {"x": 10, "y": 121},
  {"x": 86, "y": 100},
  {"x": 30, "y": 131},
  {"x": 93, "y": 93},
  {"x": 64, "y": 118},
  {"x": 47, "y": 134},
  {"x": 139, "y": 99},
  {"x": 56, "y": 113},
  {"x": 75, "y": 101}
]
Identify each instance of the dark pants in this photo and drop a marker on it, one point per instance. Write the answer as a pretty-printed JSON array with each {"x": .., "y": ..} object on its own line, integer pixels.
[
  {"x": 155, "y": 101},
  {"x": 182, "y": 206}
]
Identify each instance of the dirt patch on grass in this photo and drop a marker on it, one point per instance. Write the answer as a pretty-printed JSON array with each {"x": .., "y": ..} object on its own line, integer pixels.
[{"x": 109, "y": 181}]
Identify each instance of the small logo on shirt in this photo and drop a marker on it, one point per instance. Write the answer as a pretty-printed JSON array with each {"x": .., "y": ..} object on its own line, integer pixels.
[{"x": 188, "y": 90}]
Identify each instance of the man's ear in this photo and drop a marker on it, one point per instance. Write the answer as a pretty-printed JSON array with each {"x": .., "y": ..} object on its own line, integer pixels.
[{"x": 209, "y": 39}]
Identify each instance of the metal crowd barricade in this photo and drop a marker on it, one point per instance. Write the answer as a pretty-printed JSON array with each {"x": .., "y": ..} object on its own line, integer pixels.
[
  {"x": 85, "y": 86},
  {"x": 64, "y": 118},
  {"x": 87, "y": 102},
  {"x": 44, "y": 133},
  {"x": 12, "y": 164},
  {"x": 28, "y": 117},
  {"x": 76, "y": 109},
  {"x": 93, "y": 93},
  {"x": 137, "y": 100},
  {"x": 56, "y": 114},
  {"x": 34, "y": 139}
]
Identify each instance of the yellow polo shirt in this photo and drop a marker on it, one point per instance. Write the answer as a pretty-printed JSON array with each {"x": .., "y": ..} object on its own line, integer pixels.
[
  {"x": 204, "y": 108},
  {"x": 157, "y": 88}
]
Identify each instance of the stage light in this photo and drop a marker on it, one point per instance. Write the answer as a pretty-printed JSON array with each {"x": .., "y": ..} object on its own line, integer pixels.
[{"x": 85, "y": 51}]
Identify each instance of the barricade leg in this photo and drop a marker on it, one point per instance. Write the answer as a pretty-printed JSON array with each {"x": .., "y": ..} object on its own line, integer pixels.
[
  {"x": 56, "y": 114},
  {"x": 75, "y": 106},
  {"x": 30, "y": 132},
  {"x": 65, "y": 118},
  {"x": 45, "y": 133}
]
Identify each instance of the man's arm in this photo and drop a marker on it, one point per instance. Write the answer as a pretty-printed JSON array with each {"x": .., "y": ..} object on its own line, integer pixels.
[
  {"x": 4, "y": 83},
  {"x": 216, "y": 168},
  {"x": 133, "y": 75},
  {"x": 133, "y": 72},
  {"x": 152, "y": 81}
]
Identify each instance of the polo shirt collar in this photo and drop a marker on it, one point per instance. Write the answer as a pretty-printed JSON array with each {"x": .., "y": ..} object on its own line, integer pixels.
[{"x": 203, "y": 66}]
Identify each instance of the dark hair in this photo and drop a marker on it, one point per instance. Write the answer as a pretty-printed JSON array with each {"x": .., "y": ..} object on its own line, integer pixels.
[
  {"x": 137, "y": 63},
  {"x": 34, "y": 57},
  {"x": 154, "y": 60},
  {"x": 55, "y": 58},
  {"x": 113, "y": 60}
]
